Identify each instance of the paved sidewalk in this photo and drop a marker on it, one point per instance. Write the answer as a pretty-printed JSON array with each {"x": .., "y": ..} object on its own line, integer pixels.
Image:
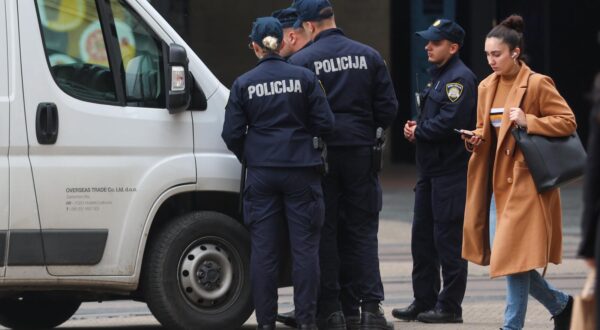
[
  {"x": 484, "y": 301},
  {"x": 483, "y": 305}
]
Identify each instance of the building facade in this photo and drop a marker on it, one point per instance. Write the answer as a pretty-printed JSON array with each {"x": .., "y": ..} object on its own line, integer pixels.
[{"x": 562, "y": 40}]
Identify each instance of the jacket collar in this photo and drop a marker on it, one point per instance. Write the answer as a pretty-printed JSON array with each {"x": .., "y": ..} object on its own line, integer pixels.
[
  {"x": 271, "y": 57},
  {"x": 435, "y": 71},
  {"x": 328, "y": 33}
]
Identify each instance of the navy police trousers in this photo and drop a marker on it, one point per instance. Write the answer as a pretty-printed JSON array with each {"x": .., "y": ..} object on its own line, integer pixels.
[
  {"x": 348, "y": 249},
  {"x": 437, "y": 241},
  {"x": 273, "y": 195}
]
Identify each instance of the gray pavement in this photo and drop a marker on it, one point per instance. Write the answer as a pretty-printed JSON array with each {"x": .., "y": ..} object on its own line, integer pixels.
[{"x": 484, "y": 301}]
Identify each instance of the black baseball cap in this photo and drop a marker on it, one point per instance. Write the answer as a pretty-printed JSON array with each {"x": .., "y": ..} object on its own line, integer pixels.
[
  {"x": 310, "y": 10},
  {"x": 287, "y": 17},
  {"x": 444, "y": 29},
  {"x": 266, "y": 26}
]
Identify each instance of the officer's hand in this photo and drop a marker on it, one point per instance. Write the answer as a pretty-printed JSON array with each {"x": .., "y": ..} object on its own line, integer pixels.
[
  {"x": 409, "y": 130},
  {"x": 518, "y": 116}
]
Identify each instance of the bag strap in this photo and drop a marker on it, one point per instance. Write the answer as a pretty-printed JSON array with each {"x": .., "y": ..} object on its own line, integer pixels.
[{"x": 523, "y": 98}]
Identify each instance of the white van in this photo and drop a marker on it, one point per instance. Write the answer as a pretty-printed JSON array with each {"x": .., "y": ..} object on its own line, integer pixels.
[{"x": 114, "y": 181}]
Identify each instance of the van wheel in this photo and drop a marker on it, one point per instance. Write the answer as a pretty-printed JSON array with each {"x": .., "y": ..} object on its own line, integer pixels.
[
  {"x": 36, "y": 311},
  {"x": 196, "y": 273}
]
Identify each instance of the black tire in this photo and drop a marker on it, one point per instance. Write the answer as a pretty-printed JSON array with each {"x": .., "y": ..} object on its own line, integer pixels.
[
  {"x": 196, "y": 273},
  {"x": 36, "y": 310}
]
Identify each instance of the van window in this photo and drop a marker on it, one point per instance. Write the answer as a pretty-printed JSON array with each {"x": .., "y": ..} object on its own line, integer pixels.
[
  {"x": 141, "y": 52},
  {"x": 76, "y": 49}
]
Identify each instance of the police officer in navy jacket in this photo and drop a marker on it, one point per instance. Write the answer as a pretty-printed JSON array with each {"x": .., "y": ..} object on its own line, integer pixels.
[
  {"x": 272, "y": 115},
  {"x": 448, "y": 102},
  {"x": 295, "y": 38},
  {"x": 361, "y": 95}
]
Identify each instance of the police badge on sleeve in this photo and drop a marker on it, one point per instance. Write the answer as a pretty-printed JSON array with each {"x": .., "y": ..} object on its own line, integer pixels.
[{"x": 454, "y": 91}]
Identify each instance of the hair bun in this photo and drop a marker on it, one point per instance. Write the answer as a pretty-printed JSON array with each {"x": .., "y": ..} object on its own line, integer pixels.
[
  {"x": 514, "y": 22},
  {"x": 270, "y": 43}
]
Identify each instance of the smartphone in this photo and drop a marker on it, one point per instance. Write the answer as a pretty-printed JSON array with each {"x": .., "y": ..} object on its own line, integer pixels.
[
  {"x": 467, "y": 133},
  {"x": 462, "y": 132}
]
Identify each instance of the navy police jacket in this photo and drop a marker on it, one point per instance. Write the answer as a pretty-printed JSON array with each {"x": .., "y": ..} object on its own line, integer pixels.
[
  {"x": 358, "y": 86},
  {"x": 273, "y": 113},
  {"x": 449, "y": 102}
]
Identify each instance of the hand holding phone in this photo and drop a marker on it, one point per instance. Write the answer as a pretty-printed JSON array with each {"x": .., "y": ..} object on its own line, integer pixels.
[
  {"x": 464, "y": 132},
  {"x": 470, "y": 136}
]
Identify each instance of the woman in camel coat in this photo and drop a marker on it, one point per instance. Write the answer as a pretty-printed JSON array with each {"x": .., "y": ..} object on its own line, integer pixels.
[{"x": 523, "y": 230}]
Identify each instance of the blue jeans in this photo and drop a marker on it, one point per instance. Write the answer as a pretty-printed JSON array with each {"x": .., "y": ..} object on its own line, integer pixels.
[{"x": 520, "y": 286}]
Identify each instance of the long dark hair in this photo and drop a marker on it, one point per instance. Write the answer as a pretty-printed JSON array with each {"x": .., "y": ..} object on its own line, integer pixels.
[{"x": 510, "y": 31}]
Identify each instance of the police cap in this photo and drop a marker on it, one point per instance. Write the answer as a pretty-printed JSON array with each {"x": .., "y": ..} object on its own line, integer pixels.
[
  {"x": 287, "y": 17},
  {"x": 444, "y": 29},
  {"x": 266, "y": 26},
  {"x": 310, "y": 10}
]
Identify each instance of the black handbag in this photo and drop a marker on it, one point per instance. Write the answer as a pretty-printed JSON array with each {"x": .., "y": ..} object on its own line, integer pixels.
[{"x": 552, "y": 161}]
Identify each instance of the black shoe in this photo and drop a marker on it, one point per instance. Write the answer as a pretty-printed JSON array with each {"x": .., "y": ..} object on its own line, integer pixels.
[
  {"x": 409, "y": 313},
  {"x": 288, "y": 318},
  {"x": 352, "y": 322},
  {"x": 439, "y": 316},
  {"x": 333, "y": 321},
  {"x": 311, "y": 326},
  {"x": 266, "y": 327},
  {"x": 562, "y": 321},
  {"x": 374, "y": 321}
]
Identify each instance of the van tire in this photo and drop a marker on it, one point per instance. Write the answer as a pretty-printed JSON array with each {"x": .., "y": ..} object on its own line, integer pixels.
[
  {"x": 184, "y": 250},
  {"x": 36, "y": 311}
]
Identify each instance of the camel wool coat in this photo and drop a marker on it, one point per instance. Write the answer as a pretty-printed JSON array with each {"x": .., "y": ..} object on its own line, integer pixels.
[{"x": 529, "y": 225}]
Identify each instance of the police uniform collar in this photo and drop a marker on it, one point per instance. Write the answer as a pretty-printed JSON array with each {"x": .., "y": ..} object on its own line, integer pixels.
[
  {"x": 271, "y": 57},
  {"x": 328, "y": 32},
  {"x": 435, "y": 70}
]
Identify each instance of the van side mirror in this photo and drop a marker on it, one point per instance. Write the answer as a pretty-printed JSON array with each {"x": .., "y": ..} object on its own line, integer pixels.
[{"x": 176, "y": 78}]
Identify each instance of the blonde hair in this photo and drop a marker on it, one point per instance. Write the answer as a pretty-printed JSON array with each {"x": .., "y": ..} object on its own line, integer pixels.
[{"x": 270, "y": 43}]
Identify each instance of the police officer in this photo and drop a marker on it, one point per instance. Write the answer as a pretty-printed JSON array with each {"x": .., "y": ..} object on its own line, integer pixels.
[
  {"x": 295, "y": 38},
  {"x": 448, "y": 103},
  {"x": 362, "y": 98},
  {"x": 272, "y": 115}
]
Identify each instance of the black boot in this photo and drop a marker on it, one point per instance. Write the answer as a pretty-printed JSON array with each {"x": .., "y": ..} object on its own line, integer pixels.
[
  {"x": 266, "y": 327},
  {"x": 437, "y": 315},
  {"x": 409, "y": 313},
  {"x": 372, "y": 318},
  {"x": 288, "y": 318},
  {"x": 311, "y": 326},
  {"x": 352, "y": 322},
  {"x": 332, "y": 321},
  {"x": 562, "y": 321}
]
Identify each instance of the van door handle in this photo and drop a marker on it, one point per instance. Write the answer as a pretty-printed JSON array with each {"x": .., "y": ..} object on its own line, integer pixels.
[{"x": 46, "y": 123}]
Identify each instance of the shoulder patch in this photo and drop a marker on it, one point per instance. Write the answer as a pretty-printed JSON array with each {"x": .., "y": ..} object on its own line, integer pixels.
[{"x": 454, "y": 91}]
